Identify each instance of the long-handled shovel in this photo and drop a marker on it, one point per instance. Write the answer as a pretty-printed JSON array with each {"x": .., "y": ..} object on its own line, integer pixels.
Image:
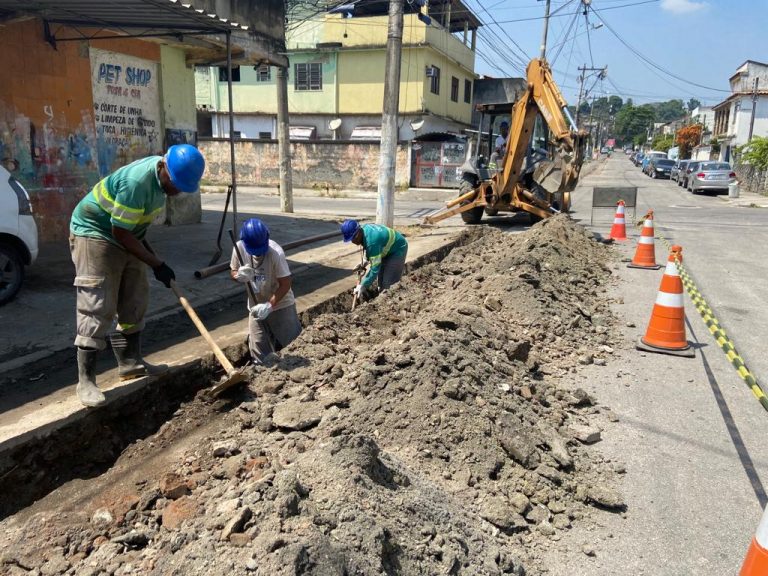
[{"x": 233, "y": 376}]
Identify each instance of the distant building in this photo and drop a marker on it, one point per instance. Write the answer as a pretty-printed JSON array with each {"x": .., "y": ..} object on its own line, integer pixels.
[
  {"x": 747, "y": 105},
  {"x": 336, "y": 77}
]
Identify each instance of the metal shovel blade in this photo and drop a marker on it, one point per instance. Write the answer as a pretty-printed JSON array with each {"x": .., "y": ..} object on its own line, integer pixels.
[{"x": 230, "y": 380}]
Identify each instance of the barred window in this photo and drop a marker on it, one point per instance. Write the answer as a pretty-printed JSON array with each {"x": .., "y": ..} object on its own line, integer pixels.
[
  {"x": 263, "y": 73},
  {"x": 235, "y": 73},
  {"x": 454, "y": 89},
  {"x": 308, "y": 76},
  {"x": 468, "y": 91},
  {"x": 434, "y": 85}
]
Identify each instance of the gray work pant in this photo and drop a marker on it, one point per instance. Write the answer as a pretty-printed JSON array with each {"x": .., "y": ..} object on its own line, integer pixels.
[
  {"x": 109, "y": 282},
  {"x": 391, "y": 270},
  {"x": 274, "y": 333}
]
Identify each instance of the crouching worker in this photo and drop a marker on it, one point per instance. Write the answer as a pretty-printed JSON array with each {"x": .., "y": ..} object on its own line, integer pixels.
[
  {"x": 273, "y": 322},
  {"x": 111, "y": 259},
  {"x": 385, "y": 249}
]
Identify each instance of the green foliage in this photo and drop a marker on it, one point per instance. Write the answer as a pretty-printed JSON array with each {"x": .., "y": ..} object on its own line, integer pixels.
[
  {"x": 663, "y": 142},
  {"x": 632, "y": 122},
  {"x": 669, "y": 110},
  {"x": 755, "y": 153},
  {"x": 693, "y": 103}
]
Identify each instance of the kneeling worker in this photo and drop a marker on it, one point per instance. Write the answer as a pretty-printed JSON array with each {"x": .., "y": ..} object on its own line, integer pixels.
[
  {"x": 385, "y": 249},
  {"x": 273, "y": 322},
  {"x": 107, "y": 233}
]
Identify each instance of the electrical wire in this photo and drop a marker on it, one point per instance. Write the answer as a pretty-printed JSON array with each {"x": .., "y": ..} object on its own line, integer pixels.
[{"x": 648, "y": 60}]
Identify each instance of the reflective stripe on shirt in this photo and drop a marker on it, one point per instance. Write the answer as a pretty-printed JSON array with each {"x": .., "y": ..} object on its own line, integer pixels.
[{"x": 120, "y": 212}]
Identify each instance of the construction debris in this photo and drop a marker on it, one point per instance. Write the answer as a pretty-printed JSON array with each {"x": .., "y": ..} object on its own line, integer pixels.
[{"x": 434, "y": 430}]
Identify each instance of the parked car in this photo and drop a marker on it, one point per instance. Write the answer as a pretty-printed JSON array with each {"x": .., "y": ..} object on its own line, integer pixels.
[
  {"x": 638, "y": 159},
  {"x": 604, "y": 150},
  {"x": 650, "y": 156},
  {"x": 693, "y": 165},
  {"x": 660, "y": 167},
  {"x": 677, "y": 169},
  {"x": 18, "y": 235},
  {"x": 711, "y": 176}
]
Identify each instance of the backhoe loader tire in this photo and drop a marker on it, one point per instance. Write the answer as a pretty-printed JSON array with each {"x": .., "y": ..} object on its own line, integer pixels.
[
  {"x": 475, "y": 215},
  {"x": 491, "y": 211}
]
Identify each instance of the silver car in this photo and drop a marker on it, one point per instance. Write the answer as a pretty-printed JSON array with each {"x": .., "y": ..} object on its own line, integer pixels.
[
  {"x": 711, "y": 176},
  {"x": 678, "y": 169}
]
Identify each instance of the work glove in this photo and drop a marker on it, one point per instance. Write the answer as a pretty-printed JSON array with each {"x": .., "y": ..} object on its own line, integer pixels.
[
  {"x": 164, "y": 274},
  {"x": 245, "y": 274},
  {"x": 261, "y": 311},
  {"x": 358, "y": 291}
]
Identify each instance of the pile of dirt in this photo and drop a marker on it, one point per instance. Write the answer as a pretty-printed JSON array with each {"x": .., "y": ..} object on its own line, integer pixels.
[{"x": 434, "y": 430}]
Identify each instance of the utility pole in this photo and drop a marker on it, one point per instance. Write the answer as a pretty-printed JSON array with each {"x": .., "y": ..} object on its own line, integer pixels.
[
  {"x": 582, "y": 78},
  {"x": 284, "y": 142},
  {"x": 385, "y": 205},
  {"x": 754, "y": 107},
  {"x": 543, "y": 54}
]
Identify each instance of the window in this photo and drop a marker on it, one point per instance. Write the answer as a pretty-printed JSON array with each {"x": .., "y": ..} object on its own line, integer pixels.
[
  {"x": 263, "y": 73},
  {"x": 454, "y": 89},
  {"x": 434, "y": 85},
  {"x": 468, "y": 91},
  {"x": 308, "y": 76},
  {"x": 265, "y": 135},
  {"x": 235, "y": 73}
]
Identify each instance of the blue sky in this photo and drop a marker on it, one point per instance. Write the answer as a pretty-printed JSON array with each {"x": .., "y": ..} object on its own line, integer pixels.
[{"x": 699, "y": 40}]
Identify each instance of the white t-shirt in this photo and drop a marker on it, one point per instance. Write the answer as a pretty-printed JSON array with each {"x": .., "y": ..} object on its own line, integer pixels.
[
  {"x": 274, "y": 266},
  {"x": 501, "y": 143}
]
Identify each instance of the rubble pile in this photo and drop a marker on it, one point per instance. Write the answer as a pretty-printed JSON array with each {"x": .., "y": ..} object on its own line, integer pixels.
[{"x": 435, "y": 430}]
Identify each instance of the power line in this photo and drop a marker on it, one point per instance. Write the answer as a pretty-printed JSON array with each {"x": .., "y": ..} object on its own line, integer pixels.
[{"x": 649, "y": 61}]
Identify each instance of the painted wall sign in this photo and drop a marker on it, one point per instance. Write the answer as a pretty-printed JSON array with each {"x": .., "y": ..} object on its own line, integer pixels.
[{"x": 126, "y": 107}]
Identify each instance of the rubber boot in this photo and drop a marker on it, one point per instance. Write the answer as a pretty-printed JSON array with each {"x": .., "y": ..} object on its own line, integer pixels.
[
  {"x": 87, "y": 391},
  {"x": 130, "y": 364}
]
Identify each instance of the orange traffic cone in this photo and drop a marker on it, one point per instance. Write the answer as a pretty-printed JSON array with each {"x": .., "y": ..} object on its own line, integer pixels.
[
  {"x": 619, "y": 228},
  {"x": 756, "y": 562},
  {"x": 666, "y": 330},
  {"x": 645, "y": 254}
]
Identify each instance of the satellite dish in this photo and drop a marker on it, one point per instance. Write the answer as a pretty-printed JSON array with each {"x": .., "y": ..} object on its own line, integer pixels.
[
  {"x": 334, "y": 124},
  {"x": 416, "y": 124}
]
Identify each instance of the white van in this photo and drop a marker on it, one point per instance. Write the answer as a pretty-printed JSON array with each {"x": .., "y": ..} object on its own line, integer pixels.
[{"x": 18, "y": 235}]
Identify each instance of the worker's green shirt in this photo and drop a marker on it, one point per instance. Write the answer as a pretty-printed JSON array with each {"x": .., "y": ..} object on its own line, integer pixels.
[
  {"x": 130, "y": 198},
  {"x": 380, "y": 242}
]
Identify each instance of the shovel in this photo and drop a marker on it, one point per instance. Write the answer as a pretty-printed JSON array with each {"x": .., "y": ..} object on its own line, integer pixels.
[{"x": 233, "y": 376}]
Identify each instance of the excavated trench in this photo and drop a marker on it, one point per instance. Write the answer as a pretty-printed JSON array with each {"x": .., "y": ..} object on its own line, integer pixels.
[
  {"x": 90, "y": 446},
  {"x": 438, "y": 429}
]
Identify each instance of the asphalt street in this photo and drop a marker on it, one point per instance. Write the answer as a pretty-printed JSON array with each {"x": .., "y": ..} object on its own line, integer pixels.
[{"x": 690, "y": 434}]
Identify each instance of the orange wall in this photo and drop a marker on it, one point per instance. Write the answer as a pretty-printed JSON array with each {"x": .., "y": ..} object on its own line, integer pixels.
[{"x": 47, "y": 133}]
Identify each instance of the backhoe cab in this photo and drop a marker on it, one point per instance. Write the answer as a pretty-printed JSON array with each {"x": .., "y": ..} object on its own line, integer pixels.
[{"x": 543, "y": 153}]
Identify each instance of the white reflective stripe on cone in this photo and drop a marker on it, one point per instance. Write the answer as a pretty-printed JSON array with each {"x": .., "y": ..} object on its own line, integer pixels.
[
  {"x": 648, "y": 224},
  {"x": 762, "y": 531},
  {"x": 669, "y": 300},
  {"x": 671, "y": 269},
  {"x": 645, "y": 240},
  {"x": 620, "y": 210},
  {"x": 619, "y": 221}
]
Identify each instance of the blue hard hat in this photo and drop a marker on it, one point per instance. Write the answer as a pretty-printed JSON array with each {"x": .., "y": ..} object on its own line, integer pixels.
[
  {"x": 255, "y": 237},
  {"x": 185, "y": 166},
  {"x": 348, "y": 229}
]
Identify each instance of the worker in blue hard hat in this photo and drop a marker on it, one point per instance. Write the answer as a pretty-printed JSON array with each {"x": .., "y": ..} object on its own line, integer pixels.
[
  {"x": 273, "y": 322},
  {"x": 111, "y": 256},
  {"x": 385, "y": 249}
]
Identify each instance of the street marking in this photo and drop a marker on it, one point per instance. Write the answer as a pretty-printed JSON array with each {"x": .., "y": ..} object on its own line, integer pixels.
[{"x": 717, "y": 331}]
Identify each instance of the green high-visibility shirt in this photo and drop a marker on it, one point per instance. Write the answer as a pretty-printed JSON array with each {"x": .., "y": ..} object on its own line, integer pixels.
[
  {"x": 380, "y": 242},
  {"x": 130, "y": 198}
]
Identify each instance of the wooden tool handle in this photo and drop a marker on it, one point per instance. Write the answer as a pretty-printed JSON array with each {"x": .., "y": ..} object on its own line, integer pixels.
[{"x": 203, "y": 331}]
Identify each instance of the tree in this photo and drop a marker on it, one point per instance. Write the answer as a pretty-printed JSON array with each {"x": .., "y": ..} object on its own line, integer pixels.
[
  {"x": 632, "y": 122},
  {"x": 669, "y": 110},
  {"x": 693, "y": 104},
  {"x": 755, "y": 152},
  {"x": 663, "y": 142},
  {"x": 686, "y": 138},
  {"x": 615, "y": 103}
]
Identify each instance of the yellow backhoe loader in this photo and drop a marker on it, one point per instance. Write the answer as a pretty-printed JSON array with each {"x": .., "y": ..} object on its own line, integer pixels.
[{"x": 518, "y": 179}]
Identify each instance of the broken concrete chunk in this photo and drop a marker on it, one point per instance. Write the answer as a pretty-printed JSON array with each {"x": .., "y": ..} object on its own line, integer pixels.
[
  {"x": 498, "y": 512},
  {"x": 236, "y": 523},
  {"x": 295, "y": 415},
  {"x": 222, "y": 449},
  {"x": 173, "y": 486},
  {"x": 604, "y": 496},
  {"x": 585, "y": 434}
]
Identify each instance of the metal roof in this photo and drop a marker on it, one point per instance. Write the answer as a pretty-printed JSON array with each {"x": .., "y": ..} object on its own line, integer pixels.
[{"x": 165, "y": 15}]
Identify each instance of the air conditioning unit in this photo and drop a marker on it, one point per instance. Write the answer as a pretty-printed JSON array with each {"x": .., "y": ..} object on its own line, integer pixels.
[{"x": 431, "y": 71}]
